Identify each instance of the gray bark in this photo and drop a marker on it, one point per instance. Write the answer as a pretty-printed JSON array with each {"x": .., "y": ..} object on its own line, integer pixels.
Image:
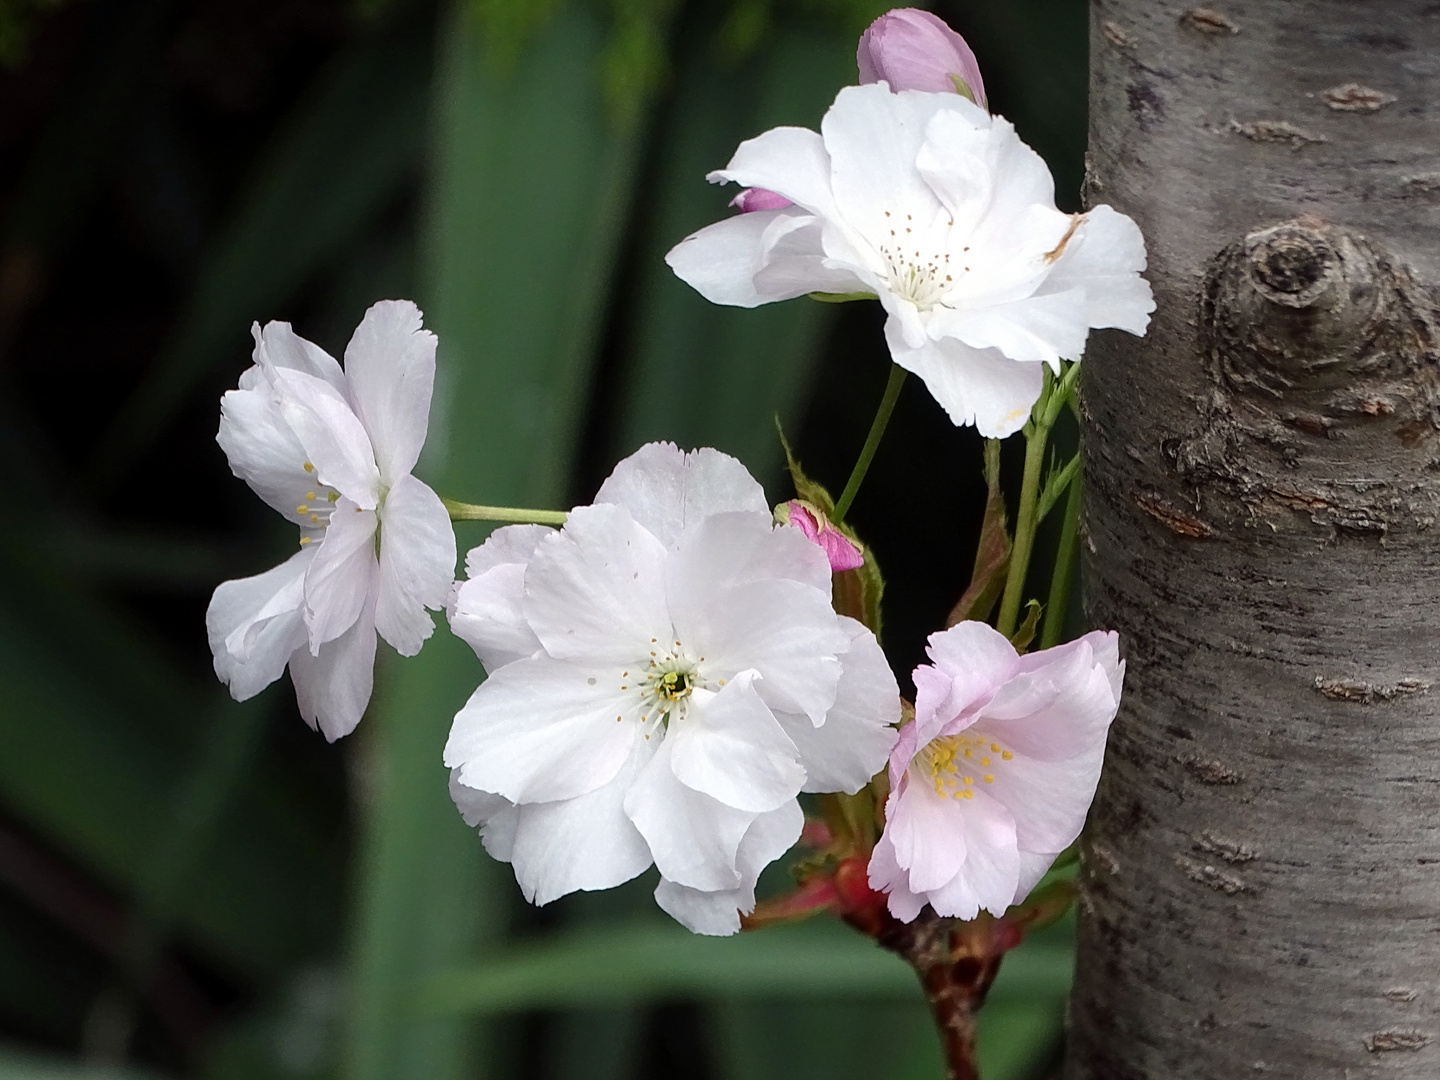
[{"x": 1260, "y": 890}]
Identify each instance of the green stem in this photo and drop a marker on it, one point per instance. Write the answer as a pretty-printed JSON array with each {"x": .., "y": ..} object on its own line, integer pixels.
[
  {"x": 460, "y": 511},
  {"x": 1035, "y": 438},
  {"x": 872, "y": 441},
  {"x": 1064, "y": 568}
]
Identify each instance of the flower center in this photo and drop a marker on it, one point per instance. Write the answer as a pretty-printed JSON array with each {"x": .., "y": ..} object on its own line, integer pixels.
[
  {"x": 319, "y": 504},
  {"x": 919, "y": 276},
  {"x": 667, "y": 679},
  {"x": 954, "y": 764}
]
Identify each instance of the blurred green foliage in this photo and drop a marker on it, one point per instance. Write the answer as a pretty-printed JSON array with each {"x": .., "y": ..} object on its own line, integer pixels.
[{"x": 194, "y": 887}]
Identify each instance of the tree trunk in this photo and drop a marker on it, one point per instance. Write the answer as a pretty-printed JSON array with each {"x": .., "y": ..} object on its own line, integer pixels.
[{"x": 1260, "y": 892}]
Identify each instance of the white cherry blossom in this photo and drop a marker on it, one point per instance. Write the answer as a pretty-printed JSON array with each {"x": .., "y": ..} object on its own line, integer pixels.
[
  {"x": 937, "y": 208},
  {"x": 666, "y": 674},
  {"x": 994, "y": 777},
  {"x": 331, "y": 450}
]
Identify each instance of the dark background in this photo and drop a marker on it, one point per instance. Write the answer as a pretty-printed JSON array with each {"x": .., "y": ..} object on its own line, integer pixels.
[{"x": 192, "y": 887}]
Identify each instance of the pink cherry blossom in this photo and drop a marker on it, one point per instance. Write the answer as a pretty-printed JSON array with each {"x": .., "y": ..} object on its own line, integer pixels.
[
  {"x": 839, "y": 549},
  {"x": 994, "y": 777},
  {"x": 914, "y": 50}
]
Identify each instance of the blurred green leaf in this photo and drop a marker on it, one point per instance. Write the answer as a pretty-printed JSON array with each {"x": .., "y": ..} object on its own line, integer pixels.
[
  {"x": 615, "y": 965},
  {"x": 19, "y": 1065},
  {"x": 332, "y": 168},
  {"x": 531, "y": 184},
  {"x": 701, "y": 374}
]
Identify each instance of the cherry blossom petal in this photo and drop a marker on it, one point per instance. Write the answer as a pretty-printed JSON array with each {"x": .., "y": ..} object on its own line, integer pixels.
[
  {"x": 692, "y": 836},
  {"x": 928, "y": 832},
  {"x": 390, "y": 363},
  {"x": 1047, "y": 799},
  {"x": 1105, "y": 257},
  {"x": 507, "y": 545},
  {"x": 487, "y": 611},
  {"x": 417, "y": 564},
  {"x": 1032, "y": 868},
  {"x": 334, "y": 439},
  {"x": 730, "y": 747},
  {"x": 255, "y": 623},
  {"x": 788, "y": 161},
  {"x": 340, "y": 578},
  {"x": 277, "y": 345},
  {"x": 859, "y": 731},
  {"x": 1044, "y": 328},
  {"x": 718, "y": 913},
  {"x": 973, "y": 386},
  {"x": 1057, "y": 709},
  {"x": 596, "y": 590},
  {"x": 726, "y": 550},
  {"x": 539, "y": 730},
  {"x": 665, "y": 489},
  {"x": 976, "y": 657},
  {"x": 333, "y": 686},
  {"x": 757, "y": 258},
  {"x": 990, "y": 875},
  {"x": 886, "y": 875},
  {"x": 264, "y": 452},
  {"x": 584, "y": 843}
]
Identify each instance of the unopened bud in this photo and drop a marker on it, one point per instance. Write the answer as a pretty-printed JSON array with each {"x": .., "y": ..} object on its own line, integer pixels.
[
  {"x": 758, "y": 198},
  {"x": 914, "y": 50},
  {"x": 839, "y": 548}
]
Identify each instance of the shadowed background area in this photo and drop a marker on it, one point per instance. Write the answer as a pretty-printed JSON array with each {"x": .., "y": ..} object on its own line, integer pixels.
[{"x": 194, "y": 887}]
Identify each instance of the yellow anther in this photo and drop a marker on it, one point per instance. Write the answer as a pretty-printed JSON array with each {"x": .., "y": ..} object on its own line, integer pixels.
[
  {"x": 969, "y": 780},
  {"x": 985, "y": 761},
  {"x": 989, "y": 779},
  {"x": 315, "y": 517},
  {"x": 309, "y": 467},
  {"x": 311, "y": 495},
  {"x": 967, "y": 753},
  {"x": 994, "y": 748},
  {"x": 304, "y": 539},
  {"x": 1007, "y": 755},
  {"x": 302, "y": 509},
  {"x": 966, "y": 794}
]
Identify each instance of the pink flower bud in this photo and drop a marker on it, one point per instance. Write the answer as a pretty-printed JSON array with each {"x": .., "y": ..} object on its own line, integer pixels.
[
  {"x": 838, "y": 548},
  {"x": 757, "y": 198},
  {"x": 914, "y": 50}
]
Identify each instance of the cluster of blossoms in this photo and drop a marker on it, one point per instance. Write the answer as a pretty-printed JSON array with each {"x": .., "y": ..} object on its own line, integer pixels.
[{"x": 667, "y": 673}]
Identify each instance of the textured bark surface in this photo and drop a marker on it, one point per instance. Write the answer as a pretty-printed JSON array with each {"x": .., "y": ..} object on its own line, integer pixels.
[{"x": 1260, "y": 892}]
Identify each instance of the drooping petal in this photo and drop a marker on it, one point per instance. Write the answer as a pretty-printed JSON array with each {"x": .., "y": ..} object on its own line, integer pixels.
[
  {"x": 1105, "y": 257},
  {"x": 859, "y": 730},
  {"x": 991, "y": 871},
  {"x": 692, "y": 836},
  {"x": 340, "y": 578},
  {"x": 718, "y": 913},
  {"x": 390, "y": 362},
  {"x": 1044, "y": 328},
  {"x": 928, "y": 831},
  {"x": 596, "y": 589},
  {"x": 255, "y": 623},
  {"x": 731, "y": 747},
  {"x": 665, "y": 488},
  {"x": 973, "y": 386},
  {"x": 333, "y": 687},
  {"x": 417, "y": 564},
  {"x": 795, "y": 262},
  {"x": 277, "y": 345},
  {"x": 1032, "y": 868},
  {"x": 334, "y": 439},
  {"x": 541, "y": 729},
  {"x": 789, "y": 161},
  {"x": 584, "y": 843},
  {"x": 493, "y": 815}
]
